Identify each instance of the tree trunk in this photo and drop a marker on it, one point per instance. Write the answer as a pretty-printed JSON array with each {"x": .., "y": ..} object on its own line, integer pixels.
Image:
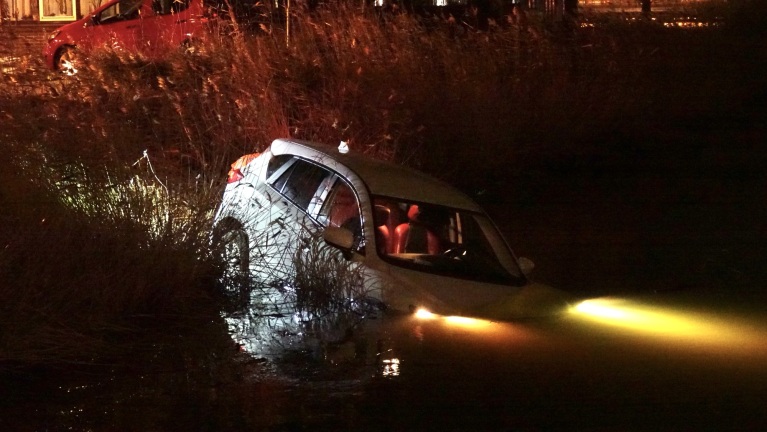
[{"x": 646, "y": 6}]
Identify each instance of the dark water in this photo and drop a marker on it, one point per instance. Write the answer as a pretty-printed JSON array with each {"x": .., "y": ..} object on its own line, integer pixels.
[
  {"x": 678, "y": 211},
  {"x": 682, "y": 360},
  {"x": 670, "y": 361},
  {"x": 668, "y": 367}
]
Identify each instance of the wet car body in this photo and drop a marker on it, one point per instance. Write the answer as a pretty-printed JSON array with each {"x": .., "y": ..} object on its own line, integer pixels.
[
  {"x": 374, "y": 213},
  {"x": 151, "y": 27}
]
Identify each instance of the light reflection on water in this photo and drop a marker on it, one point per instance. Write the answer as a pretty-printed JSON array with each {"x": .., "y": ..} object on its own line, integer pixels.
[
  {"x": 633, "y": 350},
  {"x": 675, "y": 326},
  {"x": 384, "y": 345},
  {"x": 389, "y": 344},
  {"x": 275, "y": 325}
]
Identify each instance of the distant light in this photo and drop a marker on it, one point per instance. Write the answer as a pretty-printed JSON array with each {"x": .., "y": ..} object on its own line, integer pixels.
[
  {"x": 390, "y": 367},
  {"x": 343, "y": 148}
]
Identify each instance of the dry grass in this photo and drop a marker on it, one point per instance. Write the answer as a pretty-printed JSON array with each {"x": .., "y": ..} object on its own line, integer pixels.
[
  {"x": 90, "y": 266},
  {"x": 393, "y": 86}
]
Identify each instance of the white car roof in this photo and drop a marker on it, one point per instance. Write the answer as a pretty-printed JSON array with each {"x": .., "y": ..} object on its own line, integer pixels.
[{"x": 381, "y": 178}]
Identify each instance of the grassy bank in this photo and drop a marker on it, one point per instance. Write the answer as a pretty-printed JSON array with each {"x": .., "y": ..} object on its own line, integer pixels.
[
  {"x": 392, "y": 85},
  {"x": 91, "y": 264}
]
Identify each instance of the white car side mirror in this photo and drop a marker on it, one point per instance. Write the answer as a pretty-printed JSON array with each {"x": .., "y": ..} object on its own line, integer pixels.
[
  {"x": 526, "y": 265},
  {"x": 340, "y": 238}
]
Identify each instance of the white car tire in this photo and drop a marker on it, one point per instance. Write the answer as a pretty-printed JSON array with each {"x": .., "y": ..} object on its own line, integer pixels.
[{"x": 231, "y": 242}]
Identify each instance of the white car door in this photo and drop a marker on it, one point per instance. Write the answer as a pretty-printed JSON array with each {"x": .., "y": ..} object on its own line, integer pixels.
[
  {"x": 291, "y": 192},
  {"x": 339, "y": 278}
]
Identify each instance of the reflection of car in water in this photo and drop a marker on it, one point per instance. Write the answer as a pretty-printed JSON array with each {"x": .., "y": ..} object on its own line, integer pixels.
[
  {"x": 152, "y": 27},
  {"x": 411, "y": 241}
]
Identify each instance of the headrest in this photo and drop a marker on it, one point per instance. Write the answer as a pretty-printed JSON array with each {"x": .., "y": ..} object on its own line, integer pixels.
[
  {"x": 382, "y": 214},
  {"x": 413, "y": 212}
]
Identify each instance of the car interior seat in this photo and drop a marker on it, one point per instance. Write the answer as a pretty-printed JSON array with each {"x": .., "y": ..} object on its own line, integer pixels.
[
  {"x": 382, "y": 220},
  {"x": 344, "y": 211},
  {"x": 414, "y": 236}
]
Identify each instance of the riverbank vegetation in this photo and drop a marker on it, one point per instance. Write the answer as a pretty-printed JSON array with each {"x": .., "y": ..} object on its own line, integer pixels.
[{"x": 109, "y": 178}]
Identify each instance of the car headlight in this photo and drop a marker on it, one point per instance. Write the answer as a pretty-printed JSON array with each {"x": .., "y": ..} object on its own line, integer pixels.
[{"x": 53, "y": 35}]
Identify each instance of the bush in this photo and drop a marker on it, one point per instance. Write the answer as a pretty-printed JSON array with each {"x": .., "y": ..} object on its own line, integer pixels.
[{"x": 88, "y": 268}]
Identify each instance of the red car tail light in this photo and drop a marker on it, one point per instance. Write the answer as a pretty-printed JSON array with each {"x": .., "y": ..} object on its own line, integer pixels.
[{"x": 235, "y": 174}]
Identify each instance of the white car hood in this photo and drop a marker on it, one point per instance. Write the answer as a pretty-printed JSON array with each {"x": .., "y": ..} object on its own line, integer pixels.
[{"x": 406, "y": 289}]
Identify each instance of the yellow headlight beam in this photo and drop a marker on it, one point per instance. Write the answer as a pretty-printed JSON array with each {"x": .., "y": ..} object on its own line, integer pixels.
[
  {"x": 460, "y": 321},
  {"x": 424, "y": 314},
  {"x": 640, "y": 318}
]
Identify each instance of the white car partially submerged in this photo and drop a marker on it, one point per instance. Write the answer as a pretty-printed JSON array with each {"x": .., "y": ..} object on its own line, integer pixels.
[{"x": 417, "y": 242}]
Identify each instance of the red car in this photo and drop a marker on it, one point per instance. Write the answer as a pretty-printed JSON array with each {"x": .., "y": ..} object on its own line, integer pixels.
[{"x": 151, "y": 27}]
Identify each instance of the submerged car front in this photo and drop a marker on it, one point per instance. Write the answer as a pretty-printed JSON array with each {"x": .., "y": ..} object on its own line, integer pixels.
[
  {"x": 432, "y": 247},
  {"x": 453, "y": 261},
  {"x": 424, "y": 244}
]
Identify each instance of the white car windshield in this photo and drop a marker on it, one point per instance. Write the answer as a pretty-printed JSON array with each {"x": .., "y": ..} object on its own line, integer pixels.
[{"x": 442, "y": 240}]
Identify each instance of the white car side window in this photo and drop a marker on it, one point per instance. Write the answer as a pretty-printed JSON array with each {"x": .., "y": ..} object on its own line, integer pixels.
[
  {"x": 341, "y": 209},
  {"x": 277, "y": 165},
  {"x": 299, "y": 182}
]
